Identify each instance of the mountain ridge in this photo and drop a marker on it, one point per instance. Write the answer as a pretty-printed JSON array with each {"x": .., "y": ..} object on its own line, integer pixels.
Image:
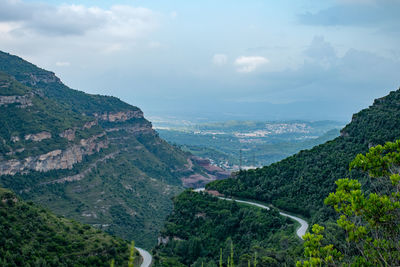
[{"x": 92, "y": 158}]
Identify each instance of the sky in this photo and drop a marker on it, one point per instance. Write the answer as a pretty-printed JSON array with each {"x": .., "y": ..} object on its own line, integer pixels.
[{"x": 214, "y": 60}]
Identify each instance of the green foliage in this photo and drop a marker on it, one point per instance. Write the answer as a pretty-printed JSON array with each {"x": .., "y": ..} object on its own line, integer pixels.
[
  {"x": 195, "y": 231},
  {"x": 371, "y": 221},
  {"x": 32, "y": 236},
  {"x": 132, "y": 254},
  {"x": 10, "y": 87},
  {"x": 317, "y": 254}
]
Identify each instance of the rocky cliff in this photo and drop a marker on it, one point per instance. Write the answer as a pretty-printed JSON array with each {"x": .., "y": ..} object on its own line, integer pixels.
[
  {"x": 56, "y": 159},
  {"x": 23, "y": 101}
]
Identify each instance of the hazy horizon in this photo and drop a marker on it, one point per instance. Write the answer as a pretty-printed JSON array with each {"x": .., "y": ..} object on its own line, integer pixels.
[{"x": 225, "y": 60}]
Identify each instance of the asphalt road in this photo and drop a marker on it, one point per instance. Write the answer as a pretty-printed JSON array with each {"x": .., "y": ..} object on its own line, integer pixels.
[
  {"x": 147, "y": 258},
  {"x": 303, "y": 224}
]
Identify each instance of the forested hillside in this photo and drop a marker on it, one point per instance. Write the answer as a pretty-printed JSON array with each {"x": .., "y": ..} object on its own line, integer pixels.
[
  {"x": 32, "y": 236},
  {"x": 301, "y": 182},
  {"x": 92, "y": 158},
  {"x": 201, "y": 225}
]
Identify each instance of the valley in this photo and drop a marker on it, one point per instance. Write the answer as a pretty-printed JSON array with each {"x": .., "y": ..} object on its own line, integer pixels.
[
  {"x": 247, "y": 144},
  {"x": 99, "y": 162},
  {"x": 199, "y": 133}
]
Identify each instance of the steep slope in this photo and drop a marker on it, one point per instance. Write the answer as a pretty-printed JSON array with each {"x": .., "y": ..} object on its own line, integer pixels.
[
  {"x": 300, "y": 183},
  {"x": 92, "y": 158},
  {"x": 32, "y": 236}
]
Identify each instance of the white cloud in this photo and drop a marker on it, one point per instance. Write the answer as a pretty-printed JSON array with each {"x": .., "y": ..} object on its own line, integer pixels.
[
  {"x": 220, "y": 59},
  {"x": 249, "y": 64},
  {"x": 63, "y": 64},
  {"x": 76, "y": 20}
]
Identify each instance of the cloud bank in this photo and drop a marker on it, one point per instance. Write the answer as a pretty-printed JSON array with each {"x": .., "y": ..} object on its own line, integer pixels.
[
  {"x": 381, "y": 14},
  {"x": 75, "y": 20}
]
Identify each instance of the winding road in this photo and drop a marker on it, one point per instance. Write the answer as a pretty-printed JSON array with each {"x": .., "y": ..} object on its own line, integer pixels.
[
  {"x": 303, "y": 224},
  {"x": 147, "y": 258}
]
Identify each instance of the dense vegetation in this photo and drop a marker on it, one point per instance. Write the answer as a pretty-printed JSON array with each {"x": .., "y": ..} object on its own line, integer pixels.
[
  {"x": 32, "y": 236},
  {"x": 301, "y": 182},
  {"x": 201, "y": 225},
  {"x": 370, "y": 220}
]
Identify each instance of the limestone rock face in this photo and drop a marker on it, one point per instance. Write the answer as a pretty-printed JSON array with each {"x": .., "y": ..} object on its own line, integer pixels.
[
  {"x": 89, "y": 124},
  {"x": 134, "y": 129},
  {"x": 70, "y": 133},
  {"x": 22, "y": 100},
  {"x": 120, "y": 116},
  {"x": 38, "y": 137},
  {"x": 56, "y": 159},
  {"x": 15, "y": 139},
  {"x": 34, "y": 78}
]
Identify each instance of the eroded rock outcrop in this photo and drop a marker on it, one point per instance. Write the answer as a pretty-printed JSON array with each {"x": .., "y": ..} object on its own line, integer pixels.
[
  {"x": 38, "y": 137},
  {"x": 70, "y": 133},
  {"x": 56, "y": 159},
  {"x": 22, "y": 100},
  {"x": 33, "y": 79},
  {"x": 134, "y": 129},
  {"x": 81, "y": 175},
  {"x": 120, "y": 116}
]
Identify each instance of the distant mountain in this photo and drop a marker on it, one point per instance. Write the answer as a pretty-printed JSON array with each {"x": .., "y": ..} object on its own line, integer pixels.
[
  {"x": 301, "y": 182},
  {"x": 33, "y": 236},
  {"x": 92, "y": 158}
]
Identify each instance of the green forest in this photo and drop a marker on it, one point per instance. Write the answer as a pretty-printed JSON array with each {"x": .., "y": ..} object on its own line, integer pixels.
[
  {"x": 201, "y": 225},
  {"x": 33, "y": 236}
]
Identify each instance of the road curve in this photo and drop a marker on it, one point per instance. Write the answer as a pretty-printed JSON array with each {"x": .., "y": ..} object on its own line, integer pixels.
[
  {"x": 147, "y": 258},
  {"x": 303, "y": 224}
]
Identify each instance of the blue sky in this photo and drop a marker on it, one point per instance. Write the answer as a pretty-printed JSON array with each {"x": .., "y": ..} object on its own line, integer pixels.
[{"x": 216, "y": 60}]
